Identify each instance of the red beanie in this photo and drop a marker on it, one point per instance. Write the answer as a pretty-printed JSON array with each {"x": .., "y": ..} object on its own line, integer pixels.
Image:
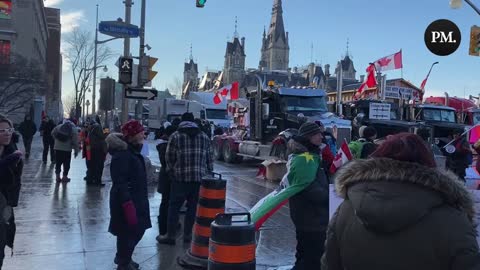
[{"x": 132, "y": 128}]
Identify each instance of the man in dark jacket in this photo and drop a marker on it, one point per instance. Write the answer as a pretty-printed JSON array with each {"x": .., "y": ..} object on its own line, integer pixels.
[
  {"x": 309, "y": 208},
  {"x": 164, "y": 181},
  {"x": 188, "y": 159},
  {"x": 27, "y": 129},
  {"x": 98, "y": 148},
  {"x": 364, "y": 146},
  {"x": 458, "y": 161},
  {"x": 129, "y": 206},
  {"x": 46, "y": 129}
]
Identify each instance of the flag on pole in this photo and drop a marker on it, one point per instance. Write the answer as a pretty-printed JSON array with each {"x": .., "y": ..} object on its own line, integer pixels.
[
  {"x": 344, "y": 155},
  {"x": 390, "y": 62},
  {"x": 230, "y": 91},
  {"x": 370, "y": 82}
]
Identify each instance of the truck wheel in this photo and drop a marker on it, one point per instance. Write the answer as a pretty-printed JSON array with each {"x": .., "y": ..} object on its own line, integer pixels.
[
  {"x": 217, "y": 150},
  {"x": 228, "y": 154}
]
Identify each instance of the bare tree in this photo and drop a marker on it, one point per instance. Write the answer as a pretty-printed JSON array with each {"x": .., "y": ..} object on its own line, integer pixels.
[
  {"x": 69, "y": 104},
  {"x": 80, "y": 56},
  {"x": 176, "y": 86},
  {"x": 19, "y": 82}
]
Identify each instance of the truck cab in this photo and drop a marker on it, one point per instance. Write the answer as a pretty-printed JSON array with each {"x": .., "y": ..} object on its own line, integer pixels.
[
  {"x": 383, "y": 116},
  {"x": 442, "y": 119},
  {"x": 285, "y": 108},
  {"x": 215, "y": 114}
]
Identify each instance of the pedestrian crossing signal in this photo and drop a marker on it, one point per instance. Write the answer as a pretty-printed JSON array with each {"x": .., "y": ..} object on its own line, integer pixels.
[{"x": 201, "y": 3}]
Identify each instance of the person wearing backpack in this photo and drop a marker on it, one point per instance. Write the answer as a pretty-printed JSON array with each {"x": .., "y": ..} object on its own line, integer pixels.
[
  {"x": 363, "y": 147},
  {"x": 66, "y": 140}
]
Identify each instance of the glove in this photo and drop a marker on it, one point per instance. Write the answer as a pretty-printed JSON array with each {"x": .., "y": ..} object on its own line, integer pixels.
[{"x": 130, "y": 213}]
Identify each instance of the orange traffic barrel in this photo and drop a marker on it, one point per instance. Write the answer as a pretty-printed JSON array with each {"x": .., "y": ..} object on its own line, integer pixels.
[
  {"x": 232, "y": 243},
  {"x": 211, "y": 203}
]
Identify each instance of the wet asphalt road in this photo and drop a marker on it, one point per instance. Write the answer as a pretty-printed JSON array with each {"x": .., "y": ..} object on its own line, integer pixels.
[{"x": 64, "y": 226}]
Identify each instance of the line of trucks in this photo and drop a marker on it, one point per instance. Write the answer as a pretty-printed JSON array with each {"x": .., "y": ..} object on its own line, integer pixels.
[{"x": 260, "y": 125}]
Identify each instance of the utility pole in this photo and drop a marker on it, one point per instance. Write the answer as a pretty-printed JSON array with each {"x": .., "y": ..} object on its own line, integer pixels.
[
  {"x": 141, "y": 54},
  {"x": 126, "y": 53},
  {"x": 94, "y": 107}
]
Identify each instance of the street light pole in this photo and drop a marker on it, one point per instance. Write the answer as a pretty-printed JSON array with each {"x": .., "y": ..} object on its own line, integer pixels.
[
  {"x": 95, "y": 66},
  {"x": 141, "y": 54},
  {"x": 126, "y": 53}
]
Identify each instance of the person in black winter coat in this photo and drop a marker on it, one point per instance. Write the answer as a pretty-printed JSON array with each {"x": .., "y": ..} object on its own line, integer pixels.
[
  {"x": 401, "y": 212},
  {"x": 27, "y": 129},
  {"x": 309, "y": 208},
  {"x": 98, "y": 150},
  {"x": 164, "y": 181},
  {"x": 129, "y": 206},
  {"x": 46, "y": 129},
  {"x": 11, "y": 166}
]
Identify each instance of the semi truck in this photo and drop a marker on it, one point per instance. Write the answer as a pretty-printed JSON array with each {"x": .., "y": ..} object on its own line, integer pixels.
[
  {"x": 266, "y": 114},
  {"x": 168, "y": 109}
]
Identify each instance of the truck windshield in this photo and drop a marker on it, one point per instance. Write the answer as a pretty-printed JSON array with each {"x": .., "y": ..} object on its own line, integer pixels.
[
  {"x": 304, "y": 104},
  {"x": 216, "y": 114},
  {"x": 439, "y": 115}
]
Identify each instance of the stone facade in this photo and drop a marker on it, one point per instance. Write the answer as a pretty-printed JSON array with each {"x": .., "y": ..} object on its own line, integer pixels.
[
  {"x": 275, "y": 48},
  {"x": 53, "y": 105},
  {"x": 234, "y": 67}
]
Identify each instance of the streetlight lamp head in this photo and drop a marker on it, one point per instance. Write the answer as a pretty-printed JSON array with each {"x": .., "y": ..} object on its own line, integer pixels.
[
  {"x": 105, "y": 69},
  {"x": 455, "y": 4},
  {"x": 148, "y": 47}
]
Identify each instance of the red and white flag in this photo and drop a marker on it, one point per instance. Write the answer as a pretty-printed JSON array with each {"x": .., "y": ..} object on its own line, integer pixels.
[
  {"x": 370, "y": 82},
  {"x": 230, "y": 91},
  {"x": 390, "y": 62},
  {"x": 343, "y": 157}
]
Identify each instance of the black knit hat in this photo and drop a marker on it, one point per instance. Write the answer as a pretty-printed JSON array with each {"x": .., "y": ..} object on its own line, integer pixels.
[
  {"x": 309, "y": 129},
  {"x": 369, "y": 132},
  {"x": 188, "y": 116}
]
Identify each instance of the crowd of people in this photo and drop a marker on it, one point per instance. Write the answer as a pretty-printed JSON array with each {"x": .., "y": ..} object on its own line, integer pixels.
[{"x": 399, "y": 210}]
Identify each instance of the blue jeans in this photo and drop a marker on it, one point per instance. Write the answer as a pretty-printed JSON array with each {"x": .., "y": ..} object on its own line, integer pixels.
[{"x": 179, "y": 193}]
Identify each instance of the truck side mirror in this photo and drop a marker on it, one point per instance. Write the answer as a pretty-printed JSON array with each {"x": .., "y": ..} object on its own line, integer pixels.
[{"x": 266, "y": 111}]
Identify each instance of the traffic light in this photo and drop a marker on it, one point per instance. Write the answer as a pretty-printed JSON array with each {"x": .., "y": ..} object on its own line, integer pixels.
[
  {"x": 474, "y": 41},
  {"x": 201, "y": 3},
  {"x": 125, "y": 68},
  {"x": 146, "y": 64}
]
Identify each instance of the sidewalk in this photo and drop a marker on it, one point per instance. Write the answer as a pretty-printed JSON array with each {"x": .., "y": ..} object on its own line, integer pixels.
[{"x": 64, "y": 226}]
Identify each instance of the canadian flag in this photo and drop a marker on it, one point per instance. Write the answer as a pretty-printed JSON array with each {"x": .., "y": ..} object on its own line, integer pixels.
[
  {"x": 230, "y": 92},
  {"x": 370, "y": 82},
  {"x": 390, "y": 62},
  {"x": 343, "y": 157}
]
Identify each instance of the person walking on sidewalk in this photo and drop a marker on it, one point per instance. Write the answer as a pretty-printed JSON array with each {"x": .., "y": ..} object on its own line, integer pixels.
[
  {"x": 401, "y": 212},
  {"x": 164, "y": 181},
  {"x": 46, "y": 129},
  {"x": 129, "y": 206},
  {"x": 11, "y": 166},
  {"x": 189, "y": 158},
  {"x": 66, "y": 139},
  {"x": 98, "y": 148},
  {"x": 86, "y": 149},
  {"x": 27, "y": 129},
  {"x": 309, "y": 208}
]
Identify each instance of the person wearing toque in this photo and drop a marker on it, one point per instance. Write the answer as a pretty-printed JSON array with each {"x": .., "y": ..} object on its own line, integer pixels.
[
  {"x": 309, "y": 209},
  {"x": 129, "y": 206}
]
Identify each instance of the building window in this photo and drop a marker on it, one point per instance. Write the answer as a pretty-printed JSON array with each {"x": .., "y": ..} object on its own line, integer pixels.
[
  {"x": 5, "y": 52},
  {"x": 237, "y": 61},
  {"x": 5, "y": 9}
]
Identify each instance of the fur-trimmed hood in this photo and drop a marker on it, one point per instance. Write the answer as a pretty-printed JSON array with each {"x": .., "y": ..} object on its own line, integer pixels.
[
  {"x": 116, "y": 143},
  {"x": 389, "y": 195}
]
